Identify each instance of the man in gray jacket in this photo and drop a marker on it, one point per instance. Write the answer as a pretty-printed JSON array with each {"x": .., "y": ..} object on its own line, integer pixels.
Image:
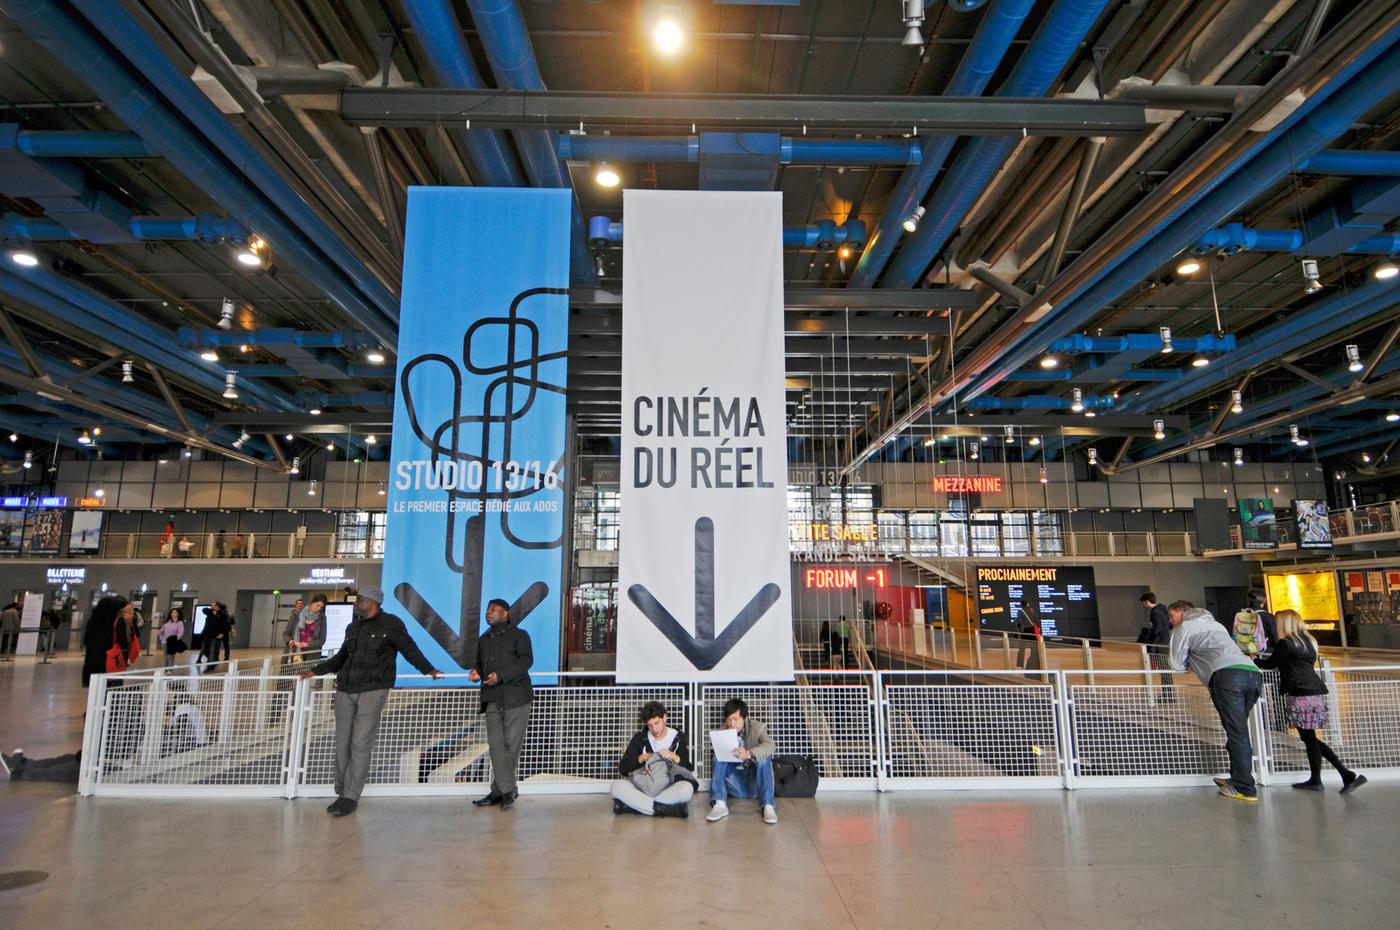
[
  {"x": 1208, "y": 649},
  {"x": 751, "y": 778}
]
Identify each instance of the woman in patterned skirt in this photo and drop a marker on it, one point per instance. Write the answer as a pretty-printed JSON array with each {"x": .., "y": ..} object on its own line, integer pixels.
[{"x": 1305, "y": 698}]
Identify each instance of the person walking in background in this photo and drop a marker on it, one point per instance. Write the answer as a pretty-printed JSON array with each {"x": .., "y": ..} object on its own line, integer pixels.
[
  {"x": 1305, "y": 698},
  {"x": 221, "y": 543},
  {"x": 752, "y": 777},
  {"x": 238, "y": 546},
  {"x": 1255, "y": 629},
  {"x": 1159, "y": 623},
  {"x": 9, "y": 631},
  {"x": 172, "y": 635},
  {"x": 655, "y": 767},
  {"x": 1203, "y": 645},
  {"x": 185, "y": 547},
  {"x": 105, "y": 628},
  {"x": 217, "y": 630},
  {"x": 306, "y": 631},
  {"x": 365, "y": 670},
  {"x": 503, "y": 660}
]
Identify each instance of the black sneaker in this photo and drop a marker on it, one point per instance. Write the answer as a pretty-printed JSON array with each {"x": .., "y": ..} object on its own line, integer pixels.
[
  {"x": 679, "y": 810},
  {"x": 490, "y": 800},
  {"x": 508, "y": 800},
  {"x": 619, "y": 807},
  {"x": 347, "y": 806},
  {"x": 335, "y": 806},
  {"x": 1352, "y": 785},
  {"x": 1309, "y": 785}
]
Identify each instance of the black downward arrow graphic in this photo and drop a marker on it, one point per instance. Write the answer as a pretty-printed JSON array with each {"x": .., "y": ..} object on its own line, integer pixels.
[
  {"x": 703, "y": 649},
  {"x": 462, "y": 648}
]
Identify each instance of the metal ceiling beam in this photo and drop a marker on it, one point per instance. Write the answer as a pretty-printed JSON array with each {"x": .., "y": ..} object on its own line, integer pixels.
[
  {"x": 170, "y": 398},
  {"x": 12, "y": 333},
  {"x": 820, "y": 298},
  {"x": 425, "y": 107}
]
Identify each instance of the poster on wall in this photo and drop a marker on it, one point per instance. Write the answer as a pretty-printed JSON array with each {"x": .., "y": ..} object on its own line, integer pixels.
[
  {"x": 475, "y": 503},
  {"x": 43, "y": 531},
  {"x": 1314, "y": 528},
  {"x": 338, "y": 617},
  {"x": 703, "y": 567},
  {"x": 1258, "y": 523},
  {"x": 1312, "y": 594},
  {"x": 11, "y": 531},
  {"x": 85, "y": 532},
  {"x": 1057, "y": 600}
]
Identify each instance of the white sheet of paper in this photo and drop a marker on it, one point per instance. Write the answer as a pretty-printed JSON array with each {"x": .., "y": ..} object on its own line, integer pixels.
[{"x": 725, "y": 742}]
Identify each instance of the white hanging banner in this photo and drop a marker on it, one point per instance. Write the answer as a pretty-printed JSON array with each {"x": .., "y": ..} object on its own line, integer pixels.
[{"x": 704, "y": 562}]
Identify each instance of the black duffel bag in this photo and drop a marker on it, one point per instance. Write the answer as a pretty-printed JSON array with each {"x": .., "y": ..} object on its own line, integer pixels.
[{"x": 795, "y": 776}]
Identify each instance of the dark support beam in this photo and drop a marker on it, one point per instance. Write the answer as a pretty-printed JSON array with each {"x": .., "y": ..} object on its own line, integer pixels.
[
  {"x": 276, "y": 448},
  {"x": 997, "y": 283},
  {"x": 12, "y": 333},
  {"x": 86, "y": 373},
  {"x": 1122, "y": 451},
  {"x": 170, "y": 398},
  {"x": 1380, "y": 352},
  {"x": 1219, "y": 420},
  {"x": 1088, "y": 160},
  {"x": 431, "y": 107},
  {"x": 388, "y": 198},
  {"x": 1323, "y": 383}
]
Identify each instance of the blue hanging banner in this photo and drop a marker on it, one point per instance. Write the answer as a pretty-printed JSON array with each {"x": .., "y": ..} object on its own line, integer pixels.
[{"x": 476, "y": 486}]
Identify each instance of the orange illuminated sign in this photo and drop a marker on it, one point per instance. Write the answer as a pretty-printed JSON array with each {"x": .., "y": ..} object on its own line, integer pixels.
[
  {"x": 967, "y": 484},
  {"x": 825, "y": 579},
  {"x": 826, "y": 532},
  {"x": 92, "y": 502}
]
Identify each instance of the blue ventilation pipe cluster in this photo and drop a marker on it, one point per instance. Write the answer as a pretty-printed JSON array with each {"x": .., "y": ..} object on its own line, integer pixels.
[
  {"x": 1055, "y": 42},
  {"x": 296, "y": 235},
  {"x": 1369, "y": 81},
  {"x": 79, "y": 144},
  {"x": 994, "y": 36},
  {"x": 205, "y": 227},
  {"x": 824, "y": 235},
  {"x": 1236, "y": 237},
  {"x": 1042, "y": 402}
]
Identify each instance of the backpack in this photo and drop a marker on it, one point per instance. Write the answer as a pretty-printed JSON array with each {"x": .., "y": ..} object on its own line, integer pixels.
[
  {"x": 795, "y": 776},
  {"x": 1249, "y": 633}
]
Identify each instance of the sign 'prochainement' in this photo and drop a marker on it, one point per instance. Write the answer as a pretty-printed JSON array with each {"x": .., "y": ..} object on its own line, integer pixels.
[
  {"x": 704, "y": 560},
  {"x": 1057, "y": 600},
  {"x": 475, "y": 491}
]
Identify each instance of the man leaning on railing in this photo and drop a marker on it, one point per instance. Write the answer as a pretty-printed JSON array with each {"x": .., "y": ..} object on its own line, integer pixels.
[{"x": 365, "y": 670}]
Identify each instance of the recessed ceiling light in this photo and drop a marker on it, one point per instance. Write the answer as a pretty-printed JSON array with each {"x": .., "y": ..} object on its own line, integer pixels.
[
  {"x": 1190, "y": 266},
  {"x": 24, "y": 257}
]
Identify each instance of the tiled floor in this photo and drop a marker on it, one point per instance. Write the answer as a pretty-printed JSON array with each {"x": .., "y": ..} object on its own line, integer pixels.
[{"x": 1170, "y": 858}]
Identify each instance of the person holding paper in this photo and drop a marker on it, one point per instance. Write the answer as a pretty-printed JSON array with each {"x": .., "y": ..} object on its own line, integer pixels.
[{"x": 750, "y": 774}]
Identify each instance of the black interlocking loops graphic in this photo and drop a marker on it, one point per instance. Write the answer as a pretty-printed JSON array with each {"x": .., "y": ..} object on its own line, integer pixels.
[{"x": 519, "y": 378}]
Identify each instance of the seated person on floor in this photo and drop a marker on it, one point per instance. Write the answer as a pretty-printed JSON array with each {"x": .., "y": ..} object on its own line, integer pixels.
[
  {"x": 752, "y": 776},
  {"x": 655, "y": 767}
]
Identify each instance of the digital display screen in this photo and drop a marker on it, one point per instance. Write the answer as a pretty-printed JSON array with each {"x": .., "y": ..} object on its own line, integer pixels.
[{"x": 1057, "y": 600}]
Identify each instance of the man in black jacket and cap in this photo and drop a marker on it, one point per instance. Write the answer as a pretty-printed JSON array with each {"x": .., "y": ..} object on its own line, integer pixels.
[
  {"x": 503, "y": 659},
  {"x": 365, "y": 669}
]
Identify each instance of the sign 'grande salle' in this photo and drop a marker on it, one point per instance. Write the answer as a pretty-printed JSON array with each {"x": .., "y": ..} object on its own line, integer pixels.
[{"x": 704, "y": 560}]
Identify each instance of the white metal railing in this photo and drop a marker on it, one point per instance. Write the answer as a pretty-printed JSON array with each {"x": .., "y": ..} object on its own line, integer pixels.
[{"x": 255, "y": 733}]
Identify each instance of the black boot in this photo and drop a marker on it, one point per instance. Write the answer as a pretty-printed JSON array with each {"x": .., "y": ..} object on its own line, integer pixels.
[
  {"x": 491, "y": 800},
  {"x": 619, "y": 807},
  {"x": 680, "y": 810}
]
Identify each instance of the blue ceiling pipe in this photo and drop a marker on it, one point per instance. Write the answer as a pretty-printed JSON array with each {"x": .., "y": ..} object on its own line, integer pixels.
[
  {"x": 206, "y": 227},
  {"x": 993, "y": 38},
  {"x": 792, "y": 151},
  {"x": 1055, "y": 42},
  {"x": 824, "y": 235},
  {"x": 358, "y": 399},
  {"x": 1137, "y": 342},
  {"x": 297, "y": 235},
  {"x": 1357, "y": 164},
  {"x": 110, "y": 322},
  {"x": 512, "y": 56},
  {"x": 1236, "y": 237},
  {"x": 350, "y": 339},
  {"x": 1329, "y": 113},
  {"x": 1042, "y": 402},
  {"x": 79, "y": 144}
]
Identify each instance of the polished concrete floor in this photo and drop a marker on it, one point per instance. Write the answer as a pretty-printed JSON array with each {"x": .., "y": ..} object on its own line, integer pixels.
[{"x": 1152, "y": 858}]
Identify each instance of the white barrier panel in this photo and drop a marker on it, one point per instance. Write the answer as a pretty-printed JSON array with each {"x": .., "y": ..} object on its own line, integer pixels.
[{"x": 257, "y": 734}]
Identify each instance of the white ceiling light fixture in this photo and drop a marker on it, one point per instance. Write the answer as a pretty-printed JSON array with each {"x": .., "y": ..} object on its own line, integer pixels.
[
  {"x": 28, "y": 460},
  {"x": 24, "y": 258},
  {"x": 330, "y": 446},
  {"x": 668, "y": 31},
  {"x": 226, "y": 315},
  {"x": 1294, "y": 435},
  {"x": 1354, "y": 358},
  {"x": 1035, "y": 440},
  {"x": 1159, "y": 429},
  {"x": 1010, "y": 434},
  {"x": 606, "y": 175},
  {"x": 1200, "y": 361},
  {"x": 1365, "y": 457},
  {"x": 288, "y": 437},
  {"x": 383, "y": 489},
  {"x": 1392, "y": 417},
  {"x": 1093, "y": 456},
  {"x": 1078, "y": 405},
  {"x": 315, "y": 411},
  {"x": 296, "y": 465},
  {"x": 209, "y": 355},
  {"x": 14, "y": 437},
  {"x": 973, "y": 452},
  {"x": 1189, "y": 267},
  {"x": 251, "y": 254},
  {"x": 375, "y": 356},
  {"x": 311, "y": 488},
  {"x": 127, "y": 376},
  {"x": 913, "y": 23},
  {"x": 1239, "y": 456},
  {"x": 1166, "y": 332},
  {"x": 371, "y": 439},
  {"x": 231, "y": 385},
  {"x": 930, "y": 441},
  {"x": 1050, "y": 361},
  {"x": 1312, "y": 280},
  {"x": 1236, "y": 402},
  {"x": 99, "y": 493},
  {"x": 1386, "y": 270},
  {"x": 1044, "y": 475},
  {"x": 187, "y": 453},
  {"x": 85, "y": 438},
  {"x": 911, "y": 222}
]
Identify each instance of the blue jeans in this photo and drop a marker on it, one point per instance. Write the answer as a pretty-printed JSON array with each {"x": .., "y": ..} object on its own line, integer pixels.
[
  {"x": 1234, "y": 692},
  {"x": 742, "y": 781}
]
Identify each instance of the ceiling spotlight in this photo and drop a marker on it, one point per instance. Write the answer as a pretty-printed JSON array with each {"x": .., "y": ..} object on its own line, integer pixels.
[
  {"x": 1386, "y": 270},
  {"x": 209, "y": 355},
  {"x": 1035, "y": 440},
  {"x": 249, "y": 254},
  {"x": 383, "y": 489},
  {"x": 1093, "y": 456},
  {"x": 973, "y": 453},
  {"x": 1166, "y": 332},
  {"x": 1044, "y": 475},
  {"x": 370, "y": 440},
  {"x": 1294, "y": 435},
  {"x": 930, "y": 441},
  {"x": 14, "y": 437},
  {"x": 1365, "y": 457},
  {"x": 28, "y": 460},
  {"x": 911, "y": 222},
  {"x": 162, "y": 461},
  {"x": 226, "y": 315},
  {"x": 607, "y": 175},
  {"x": 330, "y": 446},
  {"x": 1312, "y": 282},
  {"x": 668, "y": 34},
  {"x": 85, "y": 438},
  {"x": 242, "y": 438},
  {"x": 375, "y": 357},
  {"x": 1090, "y": 413},
  {"x": 1392, "y": 417},
  {"x": 1159, "y": 429},
  {"x": 97, "y": 431},
  {"x": 1078, "y": 405},
  {"x": 1200, "y": 361},
  {"x": 1354, "y": 358},
  {"x": 24, "y": 258},
  {"x": 288, "y": 437},
  {"x": 1190, "y": 266},
  {"x": 127, "y": 377},
  {"x": 315, "y": 411},
  {"x": 231, "y": 385},
  {"x": 1239, "y": 456},
  {"x": 311, "y": 488},
  {"x": 1010, "y": 434},
  {"x": 913, "y": 20},
  {"x": 1050, "y": 361},
  {"x": 187, "y": 453},
  {"x": 296, "y": 465},
  {"x": 1236, "y": 402},
  {"x": 844, "y": 252},
  {"x": 99, "y": 493}
]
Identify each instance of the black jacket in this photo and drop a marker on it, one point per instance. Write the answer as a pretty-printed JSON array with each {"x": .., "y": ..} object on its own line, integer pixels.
[
  {"x": 505, "y": 650},
  {"x": 368, "y": 659},
  {"x": 216, "y": 623},
  {"x": 1294, "y": 660},
  {"x": 629, "y": 762},
  {"x": 1161, "y": 625}
]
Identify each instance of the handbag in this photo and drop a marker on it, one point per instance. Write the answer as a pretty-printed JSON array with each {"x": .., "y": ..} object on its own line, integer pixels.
[
  {"x": 116, "y": 656},
  {"x": 654, "y": 777},
  {"x": 795, "y": 776}
]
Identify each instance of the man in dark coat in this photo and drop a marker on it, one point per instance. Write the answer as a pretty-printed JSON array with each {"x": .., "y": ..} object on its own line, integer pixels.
[
  {"x": 503, "y": 659},
  {"x": 365, "y": 669},
  {"x": 1158, "y": 620}
]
